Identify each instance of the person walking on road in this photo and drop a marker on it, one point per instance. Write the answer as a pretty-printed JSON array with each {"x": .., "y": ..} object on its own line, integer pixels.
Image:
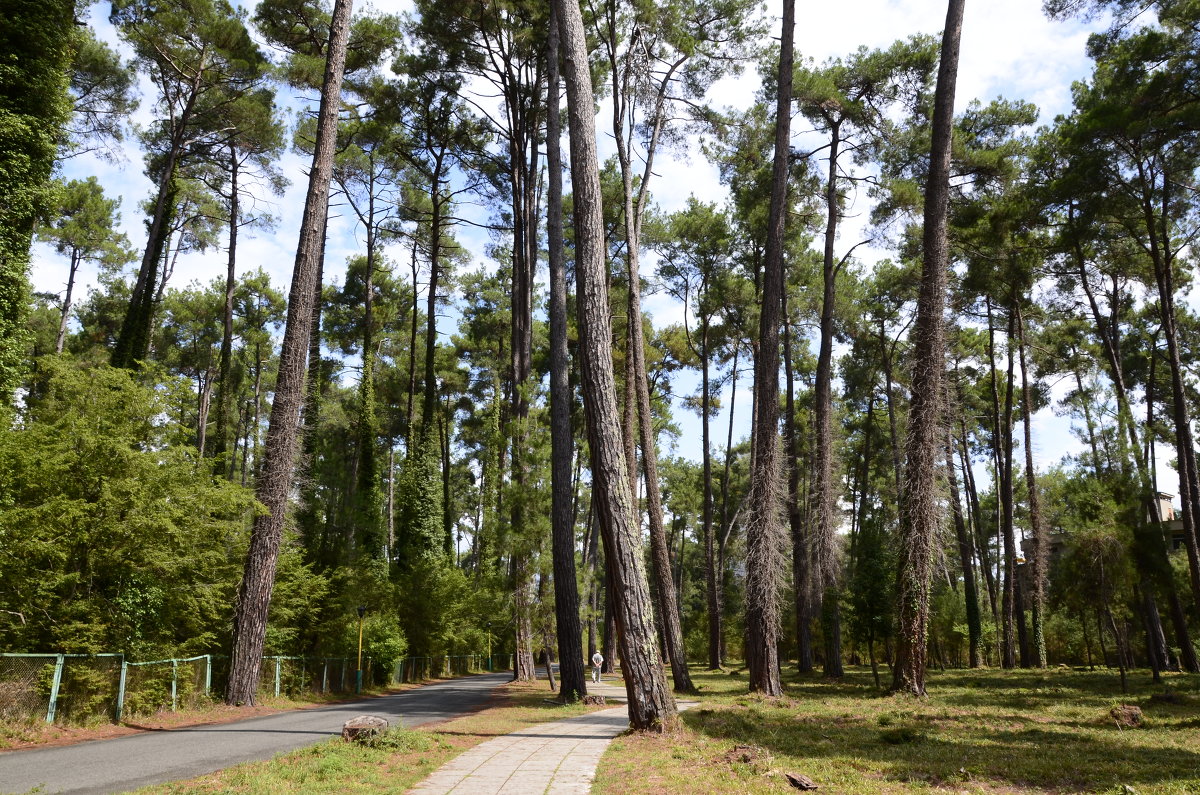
[{"x": 597, "y": 664}]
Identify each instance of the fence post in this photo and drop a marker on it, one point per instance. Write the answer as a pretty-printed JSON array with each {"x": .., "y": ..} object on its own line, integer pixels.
[
  {"x": 174, "y": 685},
  {"x": 324, "y": 676},
  {"x": 207, "y": 675},
  {"x": 121, "y": 689},
  {"x": 276, "y": 677},
  {"x": 58, "y": 670}
]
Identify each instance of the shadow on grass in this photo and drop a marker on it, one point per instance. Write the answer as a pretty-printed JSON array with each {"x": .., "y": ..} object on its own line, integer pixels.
[
  {"x": 1040, "y": 729},
  {"x": 1039, "y": 757}
]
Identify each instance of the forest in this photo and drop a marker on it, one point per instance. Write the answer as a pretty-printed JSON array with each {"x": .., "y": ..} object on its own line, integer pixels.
[{"x": 498, "y": 446}]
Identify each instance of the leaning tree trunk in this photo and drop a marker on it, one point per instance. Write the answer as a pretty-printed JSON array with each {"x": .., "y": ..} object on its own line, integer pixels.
[
  {"x": 920, "y": 513},
  {"x": 566, "y": 591},
  {"x": 668, "y": 603},
  {"x": 274, "y": 484},
  {"x": 224, "y": 391},
  {"x": 650, "y": 703},
  {"x": 61, "y": 338},
  {"x": 764, "y": 523},
  {"x": 133, "y": 341}
]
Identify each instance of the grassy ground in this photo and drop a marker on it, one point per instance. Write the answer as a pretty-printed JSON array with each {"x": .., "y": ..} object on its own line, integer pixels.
[
  {"x": 978, "y": 731},
  {"x": 400, "y": 760}
]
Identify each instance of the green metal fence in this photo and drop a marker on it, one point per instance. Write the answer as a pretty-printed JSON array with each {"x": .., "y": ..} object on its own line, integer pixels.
[{"x": 158, "y": 685}]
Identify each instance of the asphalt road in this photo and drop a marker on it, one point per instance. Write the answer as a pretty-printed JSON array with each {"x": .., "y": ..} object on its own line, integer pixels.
[{"x": 139, "y": 760}]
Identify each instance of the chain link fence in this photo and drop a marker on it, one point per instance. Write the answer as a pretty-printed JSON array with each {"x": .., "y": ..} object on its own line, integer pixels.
[
  {"x": 418, "y": 669},
  {"x": 25, "y": 681},
  {"x": 74, "y": 688},
  {"x": 160, "y": 685}
]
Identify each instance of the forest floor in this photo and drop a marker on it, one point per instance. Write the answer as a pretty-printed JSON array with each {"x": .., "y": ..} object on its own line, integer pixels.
[
  {"x": 399, "y": 760},
  {"x": 979, "y": 731}
]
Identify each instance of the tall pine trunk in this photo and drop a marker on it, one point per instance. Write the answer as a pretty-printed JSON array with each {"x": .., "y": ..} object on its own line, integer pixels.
[
  {"x": 801, "y": 570},
  {"x": 825, "y": 563},
  {"x": 764, "y": 524},
  {"x": 566, "y": 592},
  {"x": 920, "y": 513},
  {"x": 274, "y": 483},
  {"x": 224, "y": 393},
  {"x": 650, "y": 703},
  {"x": 1038, "y": 563},
  {"x": 711, "y": 584}
]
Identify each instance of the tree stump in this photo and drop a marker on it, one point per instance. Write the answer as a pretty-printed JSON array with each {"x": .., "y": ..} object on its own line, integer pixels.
[
  {"x": 594, "y": 700},
  {"x": 1127, "y": 716},
  {"x": 363, "y": 728}
]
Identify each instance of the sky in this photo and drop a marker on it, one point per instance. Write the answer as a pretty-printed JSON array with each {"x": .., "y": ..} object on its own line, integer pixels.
[{"x": 1008, "y": 49}]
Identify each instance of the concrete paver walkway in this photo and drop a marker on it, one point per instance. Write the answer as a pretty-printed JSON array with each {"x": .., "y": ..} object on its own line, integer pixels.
[{"x": 557, "y": 758}]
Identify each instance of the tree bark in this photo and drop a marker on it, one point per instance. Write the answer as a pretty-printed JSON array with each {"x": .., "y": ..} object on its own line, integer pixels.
[
  {"x": 801, "y": 570},
  {"x": 59, "y": 340},
  {"x": 651, "y": 706},
  {"x": 226, "y": 361},
  {"x": 825, "y": 563},
  {"x": 920, "y": 514},
  {"x": 133, "y": 341},
  {"x": 965, "y": 558},
  {"x": 1038, "y": 564},
  {"x": 566, "y": 593},
  {"x": 711, "y": 585},
  {"x": 764, "y": 524},
  {"x": 274, "y": 484}
]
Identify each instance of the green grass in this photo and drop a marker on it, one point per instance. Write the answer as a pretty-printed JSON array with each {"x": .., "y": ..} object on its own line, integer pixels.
[{"x": 978, "y": 731}]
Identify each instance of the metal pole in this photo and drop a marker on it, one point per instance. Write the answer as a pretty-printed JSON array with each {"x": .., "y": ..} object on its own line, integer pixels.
[
  {"x": 58, "y": 670},
  {"x": 174, "y": 684},
  {"x": 121, "y": 690},
  {"x": 362, "y": 611},
  {"x": 276, "y": 677},
  {"x": 207, "y": 675}
]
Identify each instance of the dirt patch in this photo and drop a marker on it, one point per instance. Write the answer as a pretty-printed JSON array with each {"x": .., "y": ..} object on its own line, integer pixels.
[{"x": 753, "y": 755}]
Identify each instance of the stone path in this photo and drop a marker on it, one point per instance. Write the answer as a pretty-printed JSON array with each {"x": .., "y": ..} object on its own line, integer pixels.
[{"x": 558, "y": 758}]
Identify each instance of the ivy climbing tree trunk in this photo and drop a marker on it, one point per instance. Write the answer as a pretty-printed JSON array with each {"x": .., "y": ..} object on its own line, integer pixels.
[
  {"x": 920, "y": 513},
  {"x": 764, "y": 523},
  {"x": 274, "y": 483}
]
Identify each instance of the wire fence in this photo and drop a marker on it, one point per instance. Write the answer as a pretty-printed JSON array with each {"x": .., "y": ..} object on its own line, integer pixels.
[
  {"x": 81, "y": 688},
  {"x": 418, "y": 669}
]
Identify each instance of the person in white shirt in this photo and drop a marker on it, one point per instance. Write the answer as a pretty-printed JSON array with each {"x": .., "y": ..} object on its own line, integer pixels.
[{"x": 597, "y": 664}]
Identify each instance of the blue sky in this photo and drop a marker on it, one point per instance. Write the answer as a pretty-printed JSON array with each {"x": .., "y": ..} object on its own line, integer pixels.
[{"x": 1009, "y": 49}]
